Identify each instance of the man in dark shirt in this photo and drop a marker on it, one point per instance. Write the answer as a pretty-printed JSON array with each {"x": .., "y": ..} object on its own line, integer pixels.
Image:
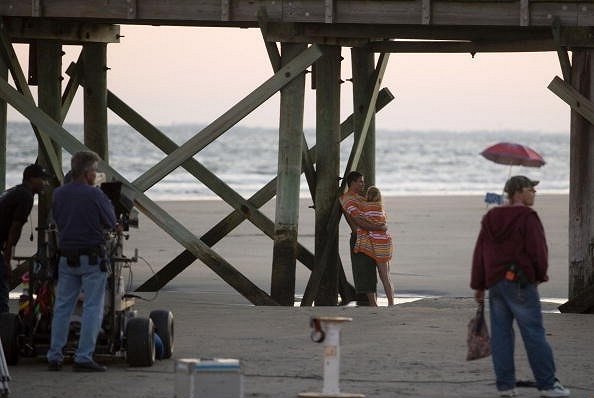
[
  {"x": 511, "y": 259},
  {"x": 15, "y": 207},
  {"x": 83, "y": 214}
]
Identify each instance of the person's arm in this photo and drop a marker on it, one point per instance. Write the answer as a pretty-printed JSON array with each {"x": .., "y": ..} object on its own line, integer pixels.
[
  {"x": 14, "y": 233},
  {"x": 364, "y": 223},
  {"x": 477, "y": 275},
  {"x": 536, "y": 247},
  {"x": 106, "y": 212}
]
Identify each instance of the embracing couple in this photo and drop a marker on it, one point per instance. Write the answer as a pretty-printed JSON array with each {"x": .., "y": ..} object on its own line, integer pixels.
[{"x": 371, "y": 244}]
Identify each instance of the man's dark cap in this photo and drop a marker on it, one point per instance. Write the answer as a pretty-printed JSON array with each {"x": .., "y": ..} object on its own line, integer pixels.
[
  {"x": 33, "y": 171},
  {"x": 517, "y": 183}
]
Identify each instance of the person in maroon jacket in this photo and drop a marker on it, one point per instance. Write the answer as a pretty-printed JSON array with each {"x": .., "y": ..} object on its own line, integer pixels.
[{"x": 510, "y": 260}]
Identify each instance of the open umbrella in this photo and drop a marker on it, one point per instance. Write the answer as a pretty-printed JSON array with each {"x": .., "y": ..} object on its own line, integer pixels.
[
  {"x": 513, "y": 155},
  {"x": 510, "y": 154}
]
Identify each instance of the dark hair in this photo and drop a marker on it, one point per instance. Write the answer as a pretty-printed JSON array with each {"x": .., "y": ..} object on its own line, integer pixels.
[
  {"x": 83, "y": 162},
  {"x": 352, "y": 177}
]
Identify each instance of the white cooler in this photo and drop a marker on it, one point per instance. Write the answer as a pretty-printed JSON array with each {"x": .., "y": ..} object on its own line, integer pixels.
[{"x": 208, "y": 378}]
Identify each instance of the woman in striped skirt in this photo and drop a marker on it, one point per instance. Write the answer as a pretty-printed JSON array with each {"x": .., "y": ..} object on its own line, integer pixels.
[{"x": 376, "y": 244}]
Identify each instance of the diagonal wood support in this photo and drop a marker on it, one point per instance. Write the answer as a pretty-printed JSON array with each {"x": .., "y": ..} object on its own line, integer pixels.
[
  {"x": 561, "y": 51},
  {"x": 285, "y": 75},
  {"x": 7, "y": 51},
  {"x": 315, "y": 278},
  {"x": 573, "y": 98},
  {"x": 159, "y": 216},
  {"x": 225, "y": 226},
  {"x": 195, "y": 168},
  {"x": 275, "y": 61}
]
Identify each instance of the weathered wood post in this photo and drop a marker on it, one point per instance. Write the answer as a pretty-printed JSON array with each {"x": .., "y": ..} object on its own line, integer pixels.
[
  {"x": 363, "y": 69},
  {"x": 581, "y": 179},
  {"x": 327, "y": 167},
  {"x": 49, "y": 94},
  {"x": 284, "y": 252},
  {"x": 3, "y": 115},
  {"x": 95, "y": 98}
]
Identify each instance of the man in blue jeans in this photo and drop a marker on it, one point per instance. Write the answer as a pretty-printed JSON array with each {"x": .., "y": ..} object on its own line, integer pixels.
[
  {"x": 82, "y": 213},
  {"x": 510, "y": 260}
]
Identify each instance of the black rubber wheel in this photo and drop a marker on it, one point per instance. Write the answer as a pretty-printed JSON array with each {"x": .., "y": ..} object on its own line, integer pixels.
[
  {"x": 140, "y": 342},
  {"x": 10, "y": 326},
  {"x": 163, "y": 321}
]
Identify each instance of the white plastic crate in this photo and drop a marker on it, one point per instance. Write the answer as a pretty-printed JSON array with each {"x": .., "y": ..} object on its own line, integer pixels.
[{"x": 208, "y": 378}]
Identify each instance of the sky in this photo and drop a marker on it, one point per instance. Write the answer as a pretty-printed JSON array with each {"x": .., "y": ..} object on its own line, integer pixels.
[{"x": 179, "y": 75}]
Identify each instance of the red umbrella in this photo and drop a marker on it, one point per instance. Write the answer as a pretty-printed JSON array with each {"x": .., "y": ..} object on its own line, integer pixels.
[{"x": 513, "y": 155}]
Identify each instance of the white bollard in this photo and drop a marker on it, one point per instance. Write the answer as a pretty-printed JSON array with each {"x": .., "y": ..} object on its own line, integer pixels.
[{"x": 327, "y": 330}]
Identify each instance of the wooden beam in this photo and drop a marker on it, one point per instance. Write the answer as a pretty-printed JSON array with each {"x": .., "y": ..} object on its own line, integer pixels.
[
  {"x": 274, "y": 57},
  {"x": 242, "y": 13},
  {"x": 49, "y": 90},
  {"x": 363, "y": 68},
  {"x": 285, "y": 75},
  {"x": 582, "y": 303},
  {"x": 66, "y": 32},
  {"x": 581, "y": 174},
  {"x": 313, "y": 284},
  {"x": 327, "y": 168},
  {"x": 94, "y": 64},
  {"x": 561, "y": 51},
  {"x": 194, "y": 167},
  {"x": 159, "y": 216},
  {"x": 7, "y": 51},
  {"x": 461, "y": 47},
  {"x": 573, "y": 98},
  {"x": 286, "y": 224},
  {"x": 231, "y": 221},
  {"x": 271, "y": 47},
  {"x": 75, "y": 72}
]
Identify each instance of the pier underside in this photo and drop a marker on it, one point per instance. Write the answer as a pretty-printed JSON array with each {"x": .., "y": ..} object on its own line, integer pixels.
[{"x": 299, "y": 37}]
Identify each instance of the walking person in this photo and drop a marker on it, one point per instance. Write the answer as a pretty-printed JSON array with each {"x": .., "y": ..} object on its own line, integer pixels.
[
  {"x": 15, "y": 207},
  {"x": 82, "y": 213},
  {"x": 376, "y": 244},
  {"x": 363, "y": 266},
  {"x": 510, "y": 260}
]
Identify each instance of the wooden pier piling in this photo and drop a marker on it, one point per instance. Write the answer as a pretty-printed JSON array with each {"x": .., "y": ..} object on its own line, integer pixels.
[
  {"x": 286, "y": 223},
  {"x": 327, "y": 168}
]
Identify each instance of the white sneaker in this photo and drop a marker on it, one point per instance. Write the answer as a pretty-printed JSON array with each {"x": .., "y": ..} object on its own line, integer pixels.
[
  {"x": 508, "y": 393},
  {"x": 557, "y": 391}
]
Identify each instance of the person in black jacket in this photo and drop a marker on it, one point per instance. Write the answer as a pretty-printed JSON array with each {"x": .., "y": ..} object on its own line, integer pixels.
[{"x": 15, "y": 207}]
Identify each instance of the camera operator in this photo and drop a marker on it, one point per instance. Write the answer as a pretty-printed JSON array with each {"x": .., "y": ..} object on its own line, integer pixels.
[{"x": 82, "y": 213}]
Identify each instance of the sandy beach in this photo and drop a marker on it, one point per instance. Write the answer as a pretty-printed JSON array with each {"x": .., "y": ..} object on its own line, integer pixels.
[
  {"x": 434, "y": 237},
  {"x": 415, "y": 349}
]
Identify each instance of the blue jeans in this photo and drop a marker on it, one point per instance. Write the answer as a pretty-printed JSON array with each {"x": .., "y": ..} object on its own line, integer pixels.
[
  {"x": 507, "y": 300},
  {"x": 4, "y": 289},
  {"x": 71, "y": 280}
]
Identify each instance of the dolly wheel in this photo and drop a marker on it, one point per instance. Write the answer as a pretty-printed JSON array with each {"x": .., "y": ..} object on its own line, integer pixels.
[
  {"x": 163, "y": 321},
  {"x": 10, "y": 326},
  {"x": 140, "y": 342}
]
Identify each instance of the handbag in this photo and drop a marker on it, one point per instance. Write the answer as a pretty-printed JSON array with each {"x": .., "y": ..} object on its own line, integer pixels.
[{"x": 479, "y": 344}]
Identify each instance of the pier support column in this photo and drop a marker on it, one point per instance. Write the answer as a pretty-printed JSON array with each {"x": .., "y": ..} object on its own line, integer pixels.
[
  {"x": 3, "y": 76},
  {"x": 363, "y": 68},
  {"x": 289, "y": 174},
  {"x": 95, "y": 98},
  {"x": 581, "y": 179},
  {"x": 49, "y": 94},
  {"x": 327, "y": 168}
]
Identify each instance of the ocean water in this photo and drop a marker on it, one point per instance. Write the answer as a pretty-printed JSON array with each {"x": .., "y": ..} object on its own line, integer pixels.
[{"x": 407, "y": 162}]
